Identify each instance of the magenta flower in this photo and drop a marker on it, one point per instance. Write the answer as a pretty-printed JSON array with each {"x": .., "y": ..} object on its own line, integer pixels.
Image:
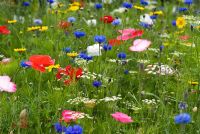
[
  {"x": 68, "y": 115},
  {"x": 140, "y": 45},
  {"x": 129, "y": 34},
  {"x": 6, "y": 84},
  {"x": 121, "y": 117}
]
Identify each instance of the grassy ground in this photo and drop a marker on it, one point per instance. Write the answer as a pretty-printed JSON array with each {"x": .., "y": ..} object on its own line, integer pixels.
[{"x": 38, "y": 92}]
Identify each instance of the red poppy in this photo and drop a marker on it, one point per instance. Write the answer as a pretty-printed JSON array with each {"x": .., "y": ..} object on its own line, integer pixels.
[
  {"x": 71, "y": 72},
  {"x": 4, "y": 30},
  {"x": 114, "y": 42},
  {"x": 64, "y": 24},
  {"x": 39, "y": 62},
  {"x": 107, "y": 19}
]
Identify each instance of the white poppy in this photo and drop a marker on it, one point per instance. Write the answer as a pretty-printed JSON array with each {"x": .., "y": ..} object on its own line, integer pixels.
[
  {"x": 146, "y": 19},
  {"x": 94, "y": 50}
]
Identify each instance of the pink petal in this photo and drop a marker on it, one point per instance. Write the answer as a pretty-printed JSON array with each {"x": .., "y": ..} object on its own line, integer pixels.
[{"x": 140, "y": 45}]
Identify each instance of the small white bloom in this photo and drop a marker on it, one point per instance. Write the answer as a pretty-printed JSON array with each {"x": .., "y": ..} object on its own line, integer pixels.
[
  {"x": 146, "y": 19},
  {"x": 94, "y": 50}
]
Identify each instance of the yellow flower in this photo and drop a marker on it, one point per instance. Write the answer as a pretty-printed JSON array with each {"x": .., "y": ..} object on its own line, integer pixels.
[
  {"x": 53, "y": 66},
  {"x": 43, "y": 28},
  {"x": 180, "y": 22},
  {"x": 20, "y": 49},
  {"x": 33, "y": 28},
  {"x": 73, "y": 54},
  {"x": 40, "y": 28},
  {"x": 73, "y": 8},
  {"x": 12, "y": 21},
  {"x": 156, "y": 13},
  {"x": 139, "y": 8},
  {"x": 198, "y": 27},
  {"x": 193, "y": 82},
  {"x": 166, "y": 43}
]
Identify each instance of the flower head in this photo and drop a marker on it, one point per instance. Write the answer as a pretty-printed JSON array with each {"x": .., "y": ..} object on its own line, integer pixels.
[
  {"x": 127, "y": 5},
  {"x": 99, "y": 38},
  {"x": 71, "y": 19},
  {"x": 68, "y": 115},
  {"x": 183, "y": 118},
  {"x": 98, "y": 6},
  {"x": 59, "y": 128},
  {"x": 107, "y": 19},
  {"x": 72, "y": 54},
  {"x": 11, "y": 21},
  {"x": 6, "y": 84},
  {"x": 121, "y": 117},
  {"x": 26, "y": 4},
  {"x": 40, "y": 62},
  {"x": 107, "y": 47},
  {"x": 4, "y": 30},
  {"x": 180, "y": 22},
  {"x": 76, "y": 129},
  {"x": 79, "y": 34},
  {"x": 72, "y": 73},
  {"x": 121, "y": 55},
  {"x": 96, "y": 83},
  {"x": 188, "y": 2},
  {"x": 38, "y": 21},
  {"x": 116, "y": 22}
]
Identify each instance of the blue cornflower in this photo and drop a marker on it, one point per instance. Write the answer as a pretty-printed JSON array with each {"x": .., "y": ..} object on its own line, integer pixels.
[
  {"x": 98, "y": 6},
  {"x": 99, "y": 38},
  {"x": 121, "y": 55},
  {"x": 26, "y": 4},
  {"x": 182, "y": 105},
  {"x": 182, "y": 118},
  {"x": 67, "y": 49},
  {"x": 59, "y": 128},
  {"x": 127, "y": 5},
  {"x": 79, "y": 34},
  {"x": 38, "y": 21},
  {"x": 107, "y": 47},
  {"x": 174, "y": 22},
  {"x": 116, "y": 22},
  {"x": 24, "y": 64},
  {"x": 144, "y": 3},
  {"x": 50, "y": 1},
  {"x": 71, "y": 19},
  {"x": 85, "y": 56},
  {"x": 126, "y": 72},
  {"x": 153, "y": 17},
  {"x": 161, "y": 48},
  {"x": 76, "y": 129},
  {"x": 188, "y": 2},
  {"x": 145, "y": 25},
  {"x": 96, "y": 83},
  {"x": 182, "y": 9},
  {"x": 88, "y": 58}
]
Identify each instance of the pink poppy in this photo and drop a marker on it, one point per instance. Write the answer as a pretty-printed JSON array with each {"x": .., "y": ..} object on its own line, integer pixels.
[
  {"x": 68, "y": 115},
  {"x": 140, "y": 45},
  {"x": 6, "y": 84},
  {"x": 184, "y": 37},
  {"x": 129, "y": 34},
  {"x": 121, "y": 117}
]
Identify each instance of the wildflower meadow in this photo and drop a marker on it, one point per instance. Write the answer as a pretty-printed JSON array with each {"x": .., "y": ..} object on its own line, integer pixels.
[{"x": 99, "y": 66}]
